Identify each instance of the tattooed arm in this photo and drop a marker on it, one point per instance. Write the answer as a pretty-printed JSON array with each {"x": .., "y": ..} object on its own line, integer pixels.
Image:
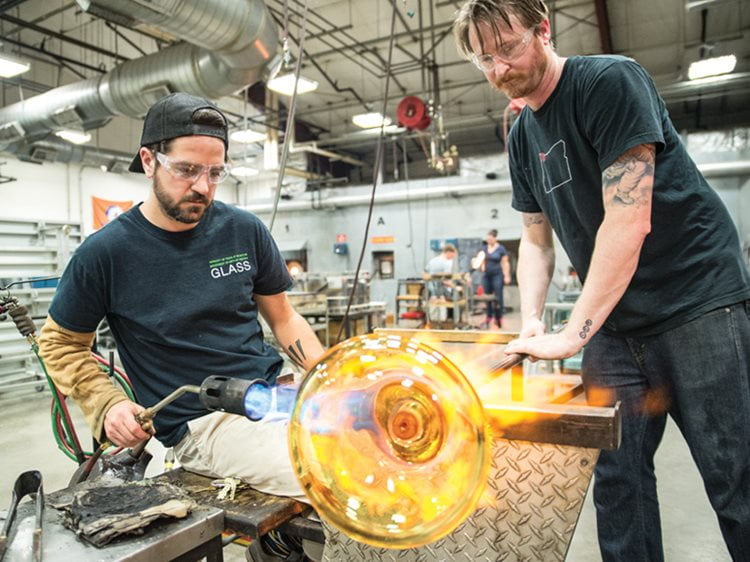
[
  {"x": 627, "y": 187},
  {"x": 536, "y": 261},
  {"x": 291, "y": 330}
]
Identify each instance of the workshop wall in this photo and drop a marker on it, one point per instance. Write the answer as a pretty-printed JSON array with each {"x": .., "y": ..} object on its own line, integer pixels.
[
  {"x": 62, "y": 192},
  {"x": 403, "y": 228}
]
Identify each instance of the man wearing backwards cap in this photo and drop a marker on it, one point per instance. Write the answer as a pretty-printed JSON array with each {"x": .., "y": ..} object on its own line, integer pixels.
[{"x": 181, "y": 279}]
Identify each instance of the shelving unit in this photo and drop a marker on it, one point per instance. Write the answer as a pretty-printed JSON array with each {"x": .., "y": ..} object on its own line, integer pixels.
[
  {"x": 411, "y": 301},
  {"x": 29, "y": 250}
]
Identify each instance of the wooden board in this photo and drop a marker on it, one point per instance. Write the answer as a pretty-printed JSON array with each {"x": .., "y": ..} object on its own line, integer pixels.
[{"x": 250, "y": 513}]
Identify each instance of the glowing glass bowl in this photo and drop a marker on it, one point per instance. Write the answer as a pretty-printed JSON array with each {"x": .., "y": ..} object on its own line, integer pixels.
[{"x": 387, "y": 438}]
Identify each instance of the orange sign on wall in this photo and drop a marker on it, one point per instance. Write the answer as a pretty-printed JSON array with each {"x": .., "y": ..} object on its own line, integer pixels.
[
  {"x": 383, "y": 239},
  {"x": 106, "y": 211}
]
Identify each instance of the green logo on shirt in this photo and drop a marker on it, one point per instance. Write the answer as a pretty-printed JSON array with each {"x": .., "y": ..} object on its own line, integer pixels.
[{"x": 223, "y": 267}]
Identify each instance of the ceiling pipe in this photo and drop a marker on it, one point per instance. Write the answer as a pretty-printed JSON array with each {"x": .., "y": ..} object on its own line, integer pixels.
[
  {"x": 60, "y": 151},
  {"x": 332, "y": 156},
  {"x": 384, "y": 197},
  {"x": 720, "y": 169},
  {"x": 230, "y": 44}
]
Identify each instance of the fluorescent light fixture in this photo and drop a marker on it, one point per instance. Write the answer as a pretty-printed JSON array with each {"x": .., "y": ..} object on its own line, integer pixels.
[
  {"x": 285, "y": 84},
  {"x": 370, "y": 120},
  {"x": 76, "y": 137},
  {"x": 712, "y": 67},
  {"x": 247, "y": 136},
  {"x": 12, "y": 66},
  {"x": 244, "y": 171}
]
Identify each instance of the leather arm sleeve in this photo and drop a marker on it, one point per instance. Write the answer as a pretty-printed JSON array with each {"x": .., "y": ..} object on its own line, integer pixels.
[{"x": 67, "y": 357}]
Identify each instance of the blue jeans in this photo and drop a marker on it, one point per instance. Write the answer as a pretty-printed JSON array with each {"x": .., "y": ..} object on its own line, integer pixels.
[
  {"x": 493, "y": 285},
  {"x": 698, "y": 373}
]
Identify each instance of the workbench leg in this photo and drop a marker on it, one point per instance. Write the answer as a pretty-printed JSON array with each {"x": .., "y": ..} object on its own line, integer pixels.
[{"x": 211, "y": 550}]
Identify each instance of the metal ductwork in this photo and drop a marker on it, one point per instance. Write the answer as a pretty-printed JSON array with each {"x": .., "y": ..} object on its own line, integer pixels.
[
  {"x": 228, "y": 45},
  {"x": 57, "y": 150}
]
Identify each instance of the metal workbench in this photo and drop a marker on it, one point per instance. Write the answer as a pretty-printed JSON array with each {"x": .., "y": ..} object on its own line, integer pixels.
[
  {"x": 195, "y": 537},
  {"x": 540, "y": 470}
]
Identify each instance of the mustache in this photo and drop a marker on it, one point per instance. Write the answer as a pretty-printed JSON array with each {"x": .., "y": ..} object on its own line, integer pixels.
[{"x": 195, "y": 198}]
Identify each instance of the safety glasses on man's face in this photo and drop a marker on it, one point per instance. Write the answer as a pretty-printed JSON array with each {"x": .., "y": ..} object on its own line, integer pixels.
[
  {"x": 191, "y": 172},
  {"x": 507, "y": 53}
]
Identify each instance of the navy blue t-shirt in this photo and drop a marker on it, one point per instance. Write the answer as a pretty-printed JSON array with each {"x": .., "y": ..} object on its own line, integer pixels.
[
  {"x": 180, "y": 304},
  {"x": 492, "y": 260},
  {"x": 602, "y": 106}
]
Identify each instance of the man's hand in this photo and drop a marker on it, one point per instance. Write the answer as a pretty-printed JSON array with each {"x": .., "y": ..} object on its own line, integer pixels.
[
  {"x": 546, "y": 346},
  {"x": 531, "y": 328},
  {"x": 120, "y": 425}
]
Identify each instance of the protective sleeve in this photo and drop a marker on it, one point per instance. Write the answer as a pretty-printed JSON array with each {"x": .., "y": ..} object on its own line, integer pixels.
[{"x": 67, "y": 357}]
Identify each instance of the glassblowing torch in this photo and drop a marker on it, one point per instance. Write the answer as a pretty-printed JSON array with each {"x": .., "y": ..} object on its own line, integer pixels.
[{"x": 254, "y": 399}]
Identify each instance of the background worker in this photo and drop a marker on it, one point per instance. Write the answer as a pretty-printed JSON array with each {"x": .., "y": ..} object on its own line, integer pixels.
[
  {"x": 441, "y": 290},
  {"x": 442, "y": 264},
  {"x": 664, "y": 309},
  {"x": 181, "y": 279},
  {"x": 494, "y": 263}
]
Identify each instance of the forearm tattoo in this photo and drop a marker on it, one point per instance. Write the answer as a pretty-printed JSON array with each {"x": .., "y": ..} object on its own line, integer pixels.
[
  {"x": 297, "y": 355},
  {"x": 530, "y": 219},
  {"x": 585, "y": 329},
  {"x": 622, "y": 179}
]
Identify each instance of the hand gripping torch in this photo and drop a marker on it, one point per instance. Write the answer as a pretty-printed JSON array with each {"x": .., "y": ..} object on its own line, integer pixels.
[{"x": 254, "y": 399}]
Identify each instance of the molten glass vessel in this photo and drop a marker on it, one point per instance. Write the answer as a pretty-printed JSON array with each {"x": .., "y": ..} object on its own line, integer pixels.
[{"x": 388, "y": 440}]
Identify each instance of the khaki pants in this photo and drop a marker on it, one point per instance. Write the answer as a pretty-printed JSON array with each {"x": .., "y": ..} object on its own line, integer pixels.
[{"x": 221, "y": 445}]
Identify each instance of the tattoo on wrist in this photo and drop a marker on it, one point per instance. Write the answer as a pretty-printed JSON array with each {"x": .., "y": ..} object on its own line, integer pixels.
[
  {"x": 297, "y": 355},
  {"x": 585, "y": 329}
]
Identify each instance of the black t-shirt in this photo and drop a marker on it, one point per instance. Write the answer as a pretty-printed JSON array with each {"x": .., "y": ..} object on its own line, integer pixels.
[
  {"x": 180, "y": 304},
  {"x": 602, "y": 106}
]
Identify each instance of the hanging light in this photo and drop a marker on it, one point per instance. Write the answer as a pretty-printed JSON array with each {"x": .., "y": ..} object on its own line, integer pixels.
[
  {"x": 284, "y": 84},
  {"x": 74, "y": 136},
  {"x": 371, "y": 120},
  {"x": 712, "y": 67},
  {"x": 11, "y": 65},
  {"x": 282, "y": 77},
  {"x": 244, "y": 171},
  {"x": 247, "y": 136}
]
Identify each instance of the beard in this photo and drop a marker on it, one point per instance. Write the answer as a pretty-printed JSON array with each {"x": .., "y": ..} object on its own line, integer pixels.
[
  {"x": 181, "y": 210},
  {"x": 522, "y": 83}
]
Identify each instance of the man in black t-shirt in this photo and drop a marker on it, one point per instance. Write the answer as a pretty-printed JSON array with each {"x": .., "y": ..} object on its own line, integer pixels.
[
  {"x": 181, "y": 279},
  {"x": 664, "y": 310}
]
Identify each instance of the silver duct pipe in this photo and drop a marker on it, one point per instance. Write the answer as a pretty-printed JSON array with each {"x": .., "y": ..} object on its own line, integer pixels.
[
  {"x": 57, "y": 150},
  {"x": 229, "y": 44}
]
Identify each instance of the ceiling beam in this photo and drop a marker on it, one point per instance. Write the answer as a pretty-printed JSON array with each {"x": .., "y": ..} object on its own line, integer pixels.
[
  {"x": 6, "y": 5},
  {"x": 50, "y": 33},
  {"x": 605, "y": 32},
  {"x": 59, "y": 59}
]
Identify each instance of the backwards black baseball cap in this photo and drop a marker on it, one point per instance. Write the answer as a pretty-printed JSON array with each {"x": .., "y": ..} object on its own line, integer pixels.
[{"x": 172, "y": 117}]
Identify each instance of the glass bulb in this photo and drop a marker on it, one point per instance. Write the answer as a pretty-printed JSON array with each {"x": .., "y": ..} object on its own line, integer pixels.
[{"x": 388, "y": 441}]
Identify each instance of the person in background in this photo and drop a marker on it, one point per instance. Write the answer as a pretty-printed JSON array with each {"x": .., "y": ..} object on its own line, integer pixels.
[
  {"x": 441, "y": 290},
  {"x": 494, "y": 263},
  {"x": 181, "y": 279},
  {"x": 664, "y": 309},
  {"x": 442, "y": 264}
]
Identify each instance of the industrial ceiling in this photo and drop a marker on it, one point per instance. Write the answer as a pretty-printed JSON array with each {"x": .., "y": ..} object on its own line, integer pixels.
[{"x": 354, "y": 49}]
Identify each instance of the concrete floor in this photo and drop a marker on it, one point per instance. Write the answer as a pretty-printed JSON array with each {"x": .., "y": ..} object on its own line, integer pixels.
[{"x": 689, "y": 527}]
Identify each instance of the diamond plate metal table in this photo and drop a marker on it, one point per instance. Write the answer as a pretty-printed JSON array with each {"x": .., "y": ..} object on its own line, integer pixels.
[{"x": 538, "y": 480}]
